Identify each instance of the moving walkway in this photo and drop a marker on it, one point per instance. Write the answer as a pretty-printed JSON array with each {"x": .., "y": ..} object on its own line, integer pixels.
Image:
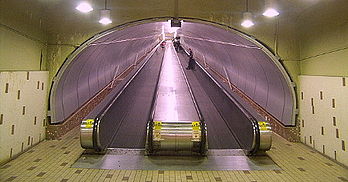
[
  {"x": 176, "y": 125},
  {"x": 158, "y": 109}
]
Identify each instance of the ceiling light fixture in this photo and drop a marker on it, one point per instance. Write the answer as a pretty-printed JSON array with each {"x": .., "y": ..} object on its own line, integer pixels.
[
  {"x": 271, "y": 10},
  {"x": 84, "y": 7},
  {"x": 105, "y": 16},
  {"x": 247, "y": 20},
  {"x": 247, "y": 17}
]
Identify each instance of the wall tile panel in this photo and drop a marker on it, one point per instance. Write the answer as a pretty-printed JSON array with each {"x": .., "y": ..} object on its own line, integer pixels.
[
  {"x": 35, "y": 102},
  {"x": 326, "y": 120}
]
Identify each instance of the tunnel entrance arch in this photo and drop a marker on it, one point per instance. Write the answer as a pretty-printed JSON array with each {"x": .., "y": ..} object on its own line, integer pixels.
[{"x": 247, "y": 63}]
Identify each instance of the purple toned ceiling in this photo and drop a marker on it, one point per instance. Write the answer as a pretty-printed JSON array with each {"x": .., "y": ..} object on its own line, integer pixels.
[{"x": 246, "y": 64}]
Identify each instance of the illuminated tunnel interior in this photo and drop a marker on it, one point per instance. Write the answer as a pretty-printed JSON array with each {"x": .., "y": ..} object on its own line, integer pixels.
[
  {"x": 248, "y": 65},
  {"x": 173, "y": 90}
]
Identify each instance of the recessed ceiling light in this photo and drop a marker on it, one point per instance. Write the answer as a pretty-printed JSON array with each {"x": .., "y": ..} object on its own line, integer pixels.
[
  {"x": 84, "y": 7},
  {"x": 270, "y": 12},
  {"x": 105, "y": 21},
  {"x": 105, "y": 17},
  {"x": 247, "y": 23},
  {"x": 270, "y": 9},
  {"x": 247, "y": 20}
]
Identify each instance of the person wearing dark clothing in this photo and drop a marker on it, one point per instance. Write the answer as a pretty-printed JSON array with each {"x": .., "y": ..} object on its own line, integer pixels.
[
  {"x": 176, "y": 43},
  {"x": 190, "y": 53},
  {"x": 192, "y": 62}
]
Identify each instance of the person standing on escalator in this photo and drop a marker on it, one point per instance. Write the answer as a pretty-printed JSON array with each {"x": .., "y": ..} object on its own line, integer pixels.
[
  {"x": 176, "y": 43},
  {"x": 192, "y": 62}
]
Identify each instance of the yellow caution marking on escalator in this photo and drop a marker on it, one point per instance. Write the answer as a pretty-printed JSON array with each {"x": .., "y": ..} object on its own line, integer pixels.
[
  {"x": 89, "y": 123},
  {"x": 262, "y": 125},
  {"x": 157, "y": 125},
  {"x": 196, "y": 126}
]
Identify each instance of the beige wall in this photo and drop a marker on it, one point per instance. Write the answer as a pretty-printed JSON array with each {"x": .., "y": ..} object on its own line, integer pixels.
[
  {"x": 23, "y": 109},
  {"x": 23, "y": 46},
  {"x": 323, "y": 35},
  {"x": 324, "y": 122},
  {"x": 22, "y": 36},
  {"x": 323, "y": 39},
  {"x": 18, "y": 52}
]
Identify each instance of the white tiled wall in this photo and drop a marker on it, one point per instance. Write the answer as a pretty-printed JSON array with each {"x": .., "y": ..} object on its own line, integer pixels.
[
  {"x": 22, "y": 102},
  {"x": 324, "y": 115}
]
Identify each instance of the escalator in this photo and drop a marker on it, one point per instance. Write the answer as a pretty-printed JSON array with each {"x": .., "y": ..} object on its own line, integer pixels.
[
  {"x": 166, "y": 111},
  {"x": 122, "y": 122},
  {"x": 176, "y": 125}
]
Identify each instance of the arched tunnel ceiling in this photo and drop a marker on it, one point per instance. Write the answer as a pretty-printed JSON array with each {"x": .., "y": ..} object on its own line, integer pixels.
[{"x": 247, "y": 64}]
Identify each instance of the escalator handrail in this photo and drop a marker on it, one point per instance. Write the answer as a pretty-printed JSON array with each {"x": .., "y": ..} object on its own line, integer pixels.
[
  {"x": 193, "y": 97},
  {"x": 204, "y": 144},
  {"x": 152, "y": 107},
  {"x": 254, "y": 123},
  {"x": 98, "y": 119}
]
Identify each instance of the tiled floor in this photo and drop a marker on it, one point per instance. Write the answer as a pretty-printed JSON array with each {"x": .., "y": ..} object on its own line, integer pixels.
[{"x": 51, "y": 161}]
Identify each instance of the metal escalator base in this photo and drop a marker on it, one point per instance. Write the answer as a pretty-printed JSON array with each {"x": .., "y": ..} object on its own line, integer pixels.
[{"x": 134, "y": 159}]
